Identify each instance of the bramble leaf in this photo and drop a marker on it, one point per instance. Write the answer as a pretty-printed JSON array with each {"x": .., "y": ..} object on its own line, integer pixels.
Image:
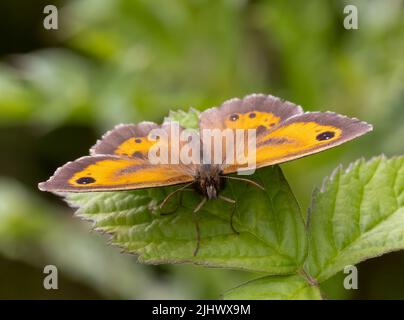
[
  {"x": 358, "y": 214},
  {"x": 292, "y": 287},
  {"x": 189, "y": 120},
  {"x": 271, "y": 230}
]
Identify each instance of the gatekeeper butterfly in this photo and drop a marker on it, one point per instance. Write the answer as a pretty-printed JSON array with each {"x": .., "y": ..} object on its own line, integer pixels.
[{"x": 119, "y": 160}]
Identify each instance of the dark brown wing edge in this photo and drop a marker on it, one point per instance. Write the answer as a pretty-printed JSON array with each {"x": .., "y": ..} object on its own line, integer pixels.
[
  {"x": 120, "y": 133},
  {"x": 213, "y": 117}
]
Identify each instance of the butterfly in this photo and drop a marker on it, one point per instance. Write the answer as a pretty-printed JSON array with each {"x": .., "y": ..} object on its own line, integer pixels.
[{"x": 283, "y": 132}]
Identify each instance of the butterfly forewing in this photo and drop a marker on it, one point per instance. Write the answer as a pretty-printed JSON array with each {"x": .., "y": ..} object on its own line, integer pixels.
[
  {"x": 109, "y": 173},
  {"x": 303, "y": 135},
  {"x": 121, "y": 161}
]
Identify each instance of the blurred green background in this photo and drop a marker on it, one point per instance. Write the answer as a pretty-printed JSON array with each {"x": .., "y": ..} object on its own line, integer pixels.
[{"x": 114, "y": 61}]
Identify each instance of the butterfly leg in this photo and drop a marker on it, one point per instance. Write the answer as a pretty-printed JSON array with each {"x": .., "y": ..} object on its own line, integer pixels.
[
  {"x": 179, "y": 203},
  {"x": 234, "y": 203},
  {"x": 171, "y": 194},
  {"x": 198, "y": 235},
  {"x": 176, "y": 207}
]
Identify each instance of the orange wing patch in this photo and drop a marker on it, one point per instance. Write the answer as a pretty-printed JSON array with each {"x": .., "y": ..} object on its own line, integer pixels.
[
  {"x": 251, "y": 120},
  {"x": 251, "y": 112},
  {"x": 109, "y": 173},
  {"x": 135, "y": 147},
  {"x": 295, "y": 138},
  {"x": 126, "y": 140}
]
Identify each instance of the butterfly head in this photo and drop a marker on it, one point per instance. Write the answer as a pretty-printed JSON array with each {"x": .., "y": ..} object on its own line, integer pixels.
[{"x": 208, "y": 181}]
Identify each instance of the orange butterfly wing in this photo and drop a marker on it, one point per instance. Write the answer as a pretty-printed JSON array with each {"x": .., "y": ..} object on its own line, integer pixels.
[
  {"x": 303, "y": 135},
  {"x": 126, "y": 140},
  {"x": 255, "y": 111},
  {"x": 119, "y": 161},
  {"x": 110, "y": 173},
  {"x": 251, "y": 112},
  {"x": 283, "y": 131}
]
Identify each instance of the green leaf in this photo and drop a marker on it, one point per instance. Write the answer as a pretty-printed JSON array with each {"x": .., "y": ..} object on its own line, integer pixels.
[
  {"x": 189, "y": 120},
  {"x": 358, "y": 214},
  {"x": 271, "y": 230},
  {"x": 275, "y": 288}
]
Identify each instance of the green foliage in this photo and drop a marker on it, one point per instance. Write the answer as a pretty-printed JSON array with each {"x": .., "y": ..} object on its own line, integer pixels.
[
  {"x": 274, "y": 288},
  {"x": 358, "y": 214},
  {"x": 186, "y": 119},
  {"x": 271, "y": 235}
]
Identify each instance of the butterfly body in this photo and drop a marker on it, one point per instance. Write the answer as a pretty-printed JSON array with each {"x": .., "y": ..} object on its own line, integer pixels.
[{"x": 208, "y": 181}]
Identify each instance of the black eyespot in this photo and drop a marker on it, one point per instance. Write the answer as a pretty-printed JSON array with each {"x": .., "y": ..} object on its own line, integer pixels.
[
  {"x": 325, "y": 135},
  {"x": 138, "y": 140},
  {"x": 85, "y": 180},
  {"x": 234, "y": 117},
  {"x": 137, "y": 154},
  {"x": 252, "y": 115}
]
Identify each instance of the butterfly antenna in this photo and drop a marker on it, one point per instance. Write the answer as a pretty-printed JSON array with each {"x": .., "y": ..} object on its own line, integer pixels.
[{"x": 245, "y": 180}]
